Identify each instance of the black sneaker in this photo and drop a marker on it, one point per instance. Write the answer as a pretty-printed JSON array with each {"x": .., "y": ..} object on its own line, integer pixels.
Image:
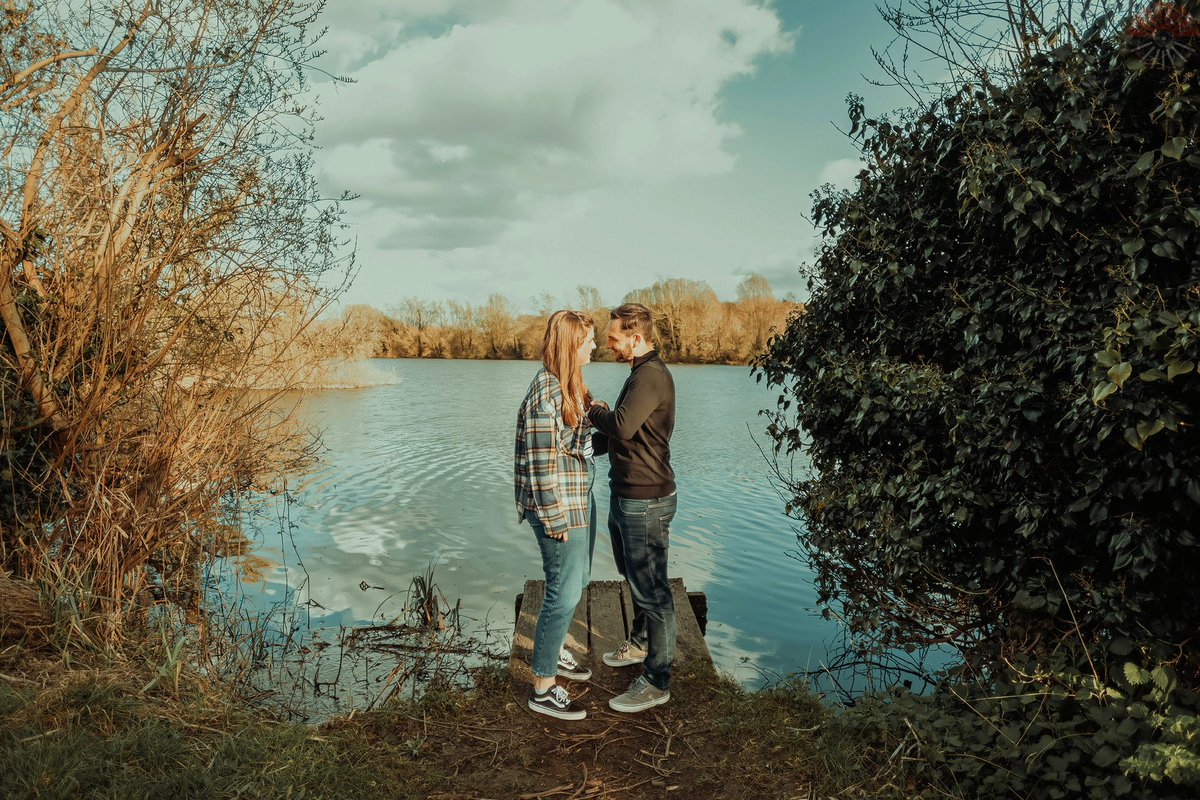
[
  {"x": 569, "y": 668},
  {"x": 555, "y": 703}
]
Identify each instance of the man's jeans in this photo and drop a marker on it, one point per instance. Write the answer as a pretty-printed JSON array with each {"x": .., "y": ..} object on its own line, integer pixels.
[
  {"x": 568, "y": 568},
  {"x": 640, "y": 531}
]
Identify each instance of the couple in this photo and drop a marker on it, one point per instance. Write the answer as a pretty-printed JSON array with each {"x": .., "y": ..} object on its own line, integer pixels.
[{"x": 559, "y": 430}]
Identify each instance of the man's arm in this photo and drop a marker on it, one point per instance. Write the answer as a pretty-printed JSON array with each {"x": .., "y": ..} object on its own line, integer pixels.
[{"x": 640, "y": 400}]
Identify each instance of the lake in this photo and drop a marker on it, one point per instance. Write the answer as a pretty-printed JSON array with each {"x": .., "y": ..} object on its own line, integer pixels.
[{"x": 417, "y": 470}]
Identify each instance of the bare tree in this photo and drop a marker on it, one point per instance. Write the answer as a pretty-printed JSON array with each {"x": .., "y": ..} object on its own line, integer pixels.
[
  {"x": 420, "y": 315},
  {"x": 942, "y": 44},
  {"x": 463, "y": 321},
  {"x": 678, "y": 305},
  {"x": 589, "y": 298},
  {"x": 758, "y": 304},
  {"x": 545, "y": 304},
  {"x": 164, "y": 249},
  {"x": 499, "y": 328}
]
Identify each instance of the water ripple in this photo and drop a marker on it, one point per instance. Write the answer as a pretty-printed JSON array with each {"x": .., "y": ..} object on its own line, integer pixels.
[{"x": 418, "y": 471}]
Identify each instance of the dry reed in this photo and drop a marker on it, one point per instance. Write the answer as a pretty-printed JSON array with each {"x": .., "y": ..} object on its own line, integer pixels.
[{"x": 164, "y": 251}]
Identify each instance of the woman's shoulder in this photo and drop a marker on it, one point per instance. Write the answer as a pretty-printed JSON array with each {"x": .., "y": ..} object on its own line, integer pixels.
[{"x": 545, "y": 383}]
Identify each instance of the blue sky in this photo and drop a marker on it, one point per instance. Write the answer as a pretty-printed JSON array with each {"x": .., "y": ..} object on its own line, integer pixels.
[{"x": 521, "y": 147}]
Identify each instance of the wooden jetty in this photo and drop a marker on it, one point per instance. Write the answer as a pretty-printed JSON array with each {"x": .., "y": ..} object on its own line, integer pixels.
[{"x": 601, "y": 623}]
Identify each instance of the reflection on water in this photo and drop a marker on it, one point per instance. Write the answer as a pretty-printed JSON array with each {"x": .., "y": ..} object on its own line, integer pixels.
[{"x": 418, "y": 471}]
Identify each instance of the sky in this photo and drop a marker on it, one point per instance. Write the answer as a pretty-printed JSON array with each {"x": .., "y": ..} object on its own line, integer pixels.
[{"x": 524, "y": 147}]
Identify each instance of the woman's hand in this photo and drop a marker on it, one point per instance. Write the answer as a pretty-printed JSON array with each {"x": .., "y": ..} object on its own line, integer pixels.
[{"x": 557, "y": 537}]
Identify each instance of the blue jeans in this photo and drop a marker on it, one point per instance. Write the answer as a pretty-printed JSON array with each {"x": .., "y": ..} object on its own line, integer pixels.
[
  {"x": 568, "y": 568},
  {"x": 640, "y": 531}
]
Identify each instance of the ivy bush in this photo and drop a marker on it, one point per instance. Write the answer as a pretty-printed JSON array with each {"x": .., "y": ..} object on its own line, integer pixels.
[
  {"x": 996, "y": 375},
  {"x": 996, "y": 383},
  {"x": 1049, "y": 728}
]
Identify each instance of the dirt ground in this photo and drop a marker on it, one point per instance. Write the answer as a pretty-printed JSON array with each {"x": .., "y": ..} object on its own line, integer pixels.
[{"x": 712, "y": 740}]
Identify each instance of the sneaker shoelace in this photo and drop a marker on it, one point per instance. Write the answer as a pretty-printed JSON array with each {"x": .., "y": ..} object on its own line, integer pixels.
[
  {"x": 567, "y": 660},
  {"x": 559, "y": 695},
  {"x": 639, "y": 686}
]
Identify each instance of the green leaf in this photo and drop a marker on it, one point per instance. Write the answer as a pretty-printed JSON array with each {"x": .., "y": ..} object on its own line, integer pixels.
[
  {"x": 1120, "y": 646},
  {"x": 1105, "y": 757},
  {"x": 1102, "y": 391},
  {"x": 1119, "y": 373},
  {"x": 1179, "y": 368},
  {"x": 1147, "y": 429},
  {"x": 1174, "y": 148},
  {"x": 1164, "y": 678},
  {"x": 1135, "y": 675},
  {"x": 1144, "y": 163},
  {"x": 1152, "y": 375},
  {"x": 1132, "y": 437},
  {"x": 1132, "y": 246}
]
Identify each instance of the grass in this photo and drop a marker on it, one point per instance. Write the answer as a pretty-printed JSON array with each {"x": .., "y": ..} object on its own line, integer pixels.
[{"x": 106, "y": 730}]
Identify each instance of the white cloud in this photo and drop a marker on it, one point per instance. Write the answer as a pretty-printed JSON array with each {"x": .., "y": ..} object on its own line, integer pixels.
[
  {"x": 840, "y": 173},
  {"x": 468, "y": 116}
]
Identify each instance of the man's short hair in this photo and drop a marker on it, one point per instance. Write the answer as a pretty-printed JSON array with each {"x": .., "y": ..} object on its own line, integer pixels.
[{"x": 635, "y": 318}]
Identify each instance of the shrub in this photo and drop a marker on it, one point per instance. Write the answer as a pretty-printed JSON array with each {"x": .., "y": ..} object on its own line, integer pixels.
[
  {"x": 1050, "y": 728},
  {"x": 995, "y": 379},
  {"x": 163, "y": 247}
]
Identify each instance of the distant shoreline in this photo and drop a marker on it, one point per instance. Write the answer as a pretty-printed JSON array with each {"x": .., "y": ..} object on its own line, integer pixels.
[{"x": 532, "y": 360}]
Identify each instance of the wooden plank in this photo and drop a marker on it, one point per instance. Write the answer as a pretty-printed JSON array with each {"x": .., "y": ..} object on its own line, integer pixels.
[
  {"x": 606, "y": 627},
  {"x": 577, "y": 634},
  {"x": 690, "y": 647},
  {"x": 526, "y": 624},
  {"x": 601, "y": 622}
]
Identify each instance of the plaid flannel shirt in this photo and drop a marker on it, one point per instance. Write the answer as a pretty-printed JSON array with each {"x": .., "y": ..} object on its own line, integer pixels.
[{"x": 550, "y": 473}]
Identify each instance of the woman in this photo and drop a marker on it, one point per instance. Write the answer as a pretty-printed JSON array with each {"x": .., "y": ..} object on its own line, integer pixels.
[{"x": 553, "y": 477}]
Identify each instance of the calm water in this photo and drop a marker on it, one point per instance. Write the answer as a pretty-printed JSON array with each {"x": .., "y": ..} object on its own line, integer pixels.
[{"x": 418, "y": 470}]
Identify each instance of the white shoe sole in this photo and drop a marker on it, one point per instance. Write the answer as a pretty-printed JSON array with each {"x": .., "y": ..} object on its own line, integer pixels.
[
  {"x": 570, "y": 716},
  {"x": 580, "y": 675},
  {"x": 615, "y": 662},
  {"x": 641, "y": 707}
]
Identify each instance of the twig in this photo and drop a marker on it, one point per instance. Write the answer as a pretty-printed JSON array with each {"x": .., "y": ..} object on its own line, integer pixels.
[
  {"x": 607, "y": 790},
  {"x": 582, "y": 786},
  {"x": 548, "y": 793},
  {"x": 662, "y": 773},
  {"x": 17, "y": 679},
  {"x": 606, "y": 743},
  {"x": 578, "y": 741}
]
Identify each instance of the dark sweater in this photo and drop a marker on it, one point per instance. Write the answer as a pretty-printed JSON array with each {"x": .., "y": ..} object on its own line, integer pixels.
[{"x": 637, "y": 432}]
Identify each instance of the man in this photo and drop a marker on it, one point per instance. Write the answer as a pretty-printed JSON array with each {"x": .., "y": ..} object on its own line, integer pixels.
[{"x": 638, "y": 437}]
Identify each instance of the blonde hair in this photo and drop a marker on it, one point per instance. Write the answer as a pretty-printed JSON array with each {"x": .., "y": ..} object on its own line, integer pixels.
[{"x": 565, "y": 333}]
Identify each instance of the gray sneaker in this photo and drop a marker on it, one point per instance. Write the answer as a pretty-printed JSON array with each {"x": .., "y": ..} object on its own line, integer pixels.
[
  {"x": 640, "y": 695},
  {"x": 625, "y": 655}
]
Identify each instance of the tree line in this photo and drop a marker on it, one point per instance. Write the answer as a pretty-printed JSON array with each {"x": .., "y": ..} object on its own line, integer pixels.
[{"x": 692, "y": 324}]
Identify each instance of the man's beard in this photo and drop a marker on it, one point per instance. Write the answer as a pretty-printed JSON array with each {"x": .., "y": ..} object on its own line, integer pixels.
[{"x": 625, "y": 353}]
